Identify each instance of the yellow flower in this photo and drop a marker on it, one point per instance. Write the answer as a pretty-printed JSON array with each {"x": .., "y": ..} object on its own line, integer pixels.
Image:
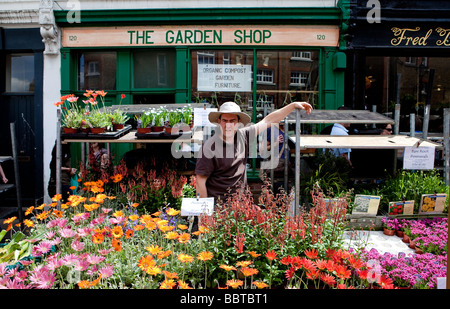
[
  {"x": 227, "y": 267},
  {"x": 172, "y": 235},
  {"x": 253, "y": 254},
  {"x": 9, "y": 220},
  {"x": 154, "y": 249},
  {"x": 168, "y": 284},
  {"x": 57, "y": 197},
  {"x": 133, "y": 217},
  {"x": 170, "y": 275},
  {"x": 118, "y": 214},
  {"x": 182, "y": 227},
  {"x": 184, "y": 238},
  {"x": 172, "y": 212},
  {"x": 166, "y": 228},
  {"x": 153, "y": 271},
  {"x": 29, "y": 210},
  {"x": 185, "y": 258},
  {"x": 205, "y": 256},
  {"x": 243, "y": 263},
  {"x": 183, "y": 285},
  {"x": 28, "y": 223},
  {"x": 164, "y": 254}
]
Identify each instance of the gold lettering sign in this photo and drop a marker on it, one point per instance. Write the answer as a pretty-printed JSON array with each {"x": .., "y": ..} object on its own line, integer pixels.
[
  {"x": 411, "y": 37},
  {"x": 264, "y": 35}
]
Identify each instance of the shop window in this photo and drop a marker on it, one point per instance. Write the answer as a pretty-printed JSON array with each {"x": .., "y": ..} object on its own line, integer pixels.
[
  {"x": 154, "y": 69},
  {"x": 20, "y": 73},
  {"x": 299, "y": 79},
  {"x": 97, "y": 70},
  {"x": 222, "y": 75},
  {"x": 264, "y": 76},
  {"x": 286, "y": 76}
]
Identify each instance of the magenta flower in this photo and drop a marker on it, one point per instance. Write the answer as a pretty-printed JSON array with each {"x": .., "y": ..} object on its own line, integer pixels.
[
  {"x": 83, "y": 232},
  {"x": 94, "y": 259}
]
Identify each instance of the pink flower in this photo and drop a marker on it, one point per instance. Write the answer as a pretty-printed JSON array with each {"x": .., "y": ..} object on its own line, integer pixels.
[
  {"x": 77, "y": 245},
  {"x": 106, "y": 210},
  {"x": 105, "y": 251},
  {"x": 62, "y": 222},
  {"x": 42, "y": 277},
  {"x": 98, "y": 220},
  {"x": 67, "y": 233},
  {"x": 83, "y": 232},
  {"x": 107, "y": 271},
  {"x": 94, "y": 259},
  {"x": 49, "y": 235},
  {"x": 43, "y": 248}
]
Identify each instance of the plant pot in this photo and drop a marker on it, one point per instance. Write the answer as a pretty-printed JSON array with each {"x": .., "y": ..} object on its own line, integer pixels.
[
  {"x": 399, "y": 233},
  {"x": 85, "y": 130},
  {"x": 70, "y": 130},
  {"x": 143, "y": 130},
  {"x": 97, "y": 130},
  {"x": 158, "y": 129},
  {"x": 118, "y": 126},
  {"x": 419, "y": 250},
  {"x": 406, "y": 238},
  {"x": 412, "y": 244},
  {"x": 388, "y": 232},
  {"x": 169, "y": 130}
]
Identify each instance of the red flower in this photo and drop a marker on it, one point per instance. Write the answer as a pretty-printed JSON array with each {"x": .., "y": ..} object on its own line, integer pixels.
[
  {"x": 286, "y": 260},
  {"x": 312, "y": 254},
  {"x": 386, "y": 282},
  {"x": 271, "y": 255},
  {"x": 290, "y": 273},
  {"x": 328, "y": 279},
  {"x": 122, "y": 96}
]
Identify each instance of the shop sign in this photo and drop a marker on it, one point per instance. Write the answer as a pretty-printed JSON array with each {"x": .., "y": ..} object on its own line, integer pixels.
[
  {"x": 264, "y": 35},
  {"x": 224, "y": 78}
]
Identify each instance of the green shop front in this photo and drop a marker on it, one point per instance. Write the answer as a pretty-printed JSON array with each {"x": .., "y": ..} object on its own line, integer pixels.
[{"x": 261, "y": 59}]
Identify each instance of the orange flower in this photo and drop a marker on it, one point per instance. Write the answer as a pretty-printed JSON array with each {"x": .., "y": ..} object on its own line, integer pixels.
[
  {"x": 227, "y": 267},
  {"x": 101, "y": 93},
  {"x": 170, "y": 275},
  {"x": 243, "y": 263},
  {"x": 118, "y": 214},
  {"x": 117, "y": 232},
  {"x": 138, "y": 227},
  {"x": 164, "y": 254},
  {"x": 145, "y": 262},
  {"x": 29, "y": 210},
  {"x": 135, "y": 205},
  {"x": 247, "y": 271},
  {"x": 57, "y": 213},
  {"x": 168, "y": 284},
  {"x": 129, "y": 234},
  {"x": 235, "y": 283},
  {"x": 205, "y": 256},
  {"x": 253, "y": 254},
  {"x": 9, "y": 220},
  {"x": 328, "y": 279},
  {"x": 116, "y": 178},
  {"x": 260, "y": 285},
  {"x": 271, "y": 255},
  {"x": 117, "y": 244},
  {"x": 184, "y": 238},
  {"x": 97, "y": 238},
  {"x": 182, "y": 227},
  {"x": 28, "y": 223},
  {"x": 311, "y": 254},
  {"x": 183, "y": 285},
  {"x": 153, "y": 271}
]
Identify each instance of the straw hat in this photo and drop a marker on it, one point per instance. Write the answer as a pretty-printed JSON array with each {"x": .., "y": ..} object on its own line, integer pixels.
[{"x": 229, "y": 108}]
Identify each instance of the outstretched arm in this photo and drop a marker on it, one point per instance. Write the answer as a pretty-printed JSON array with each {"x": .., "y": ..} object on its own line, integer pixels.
[{"x": 280, "y": 114}]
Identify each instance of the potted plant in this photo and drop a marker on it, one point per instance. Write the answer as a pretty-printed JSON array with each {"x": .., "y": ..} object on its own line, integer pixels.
[
  {"x": 187, "y": 116},
  {"x": 388, "y": 227},
  {"x": 71, "y": 122},
  {"x": 99, "y": 122},
  {"x": 118, "y": 119},
  {"x": 144, "y": 121},
  {"x": 159, "y": 120},
  {"x": 174, "y": 118}
]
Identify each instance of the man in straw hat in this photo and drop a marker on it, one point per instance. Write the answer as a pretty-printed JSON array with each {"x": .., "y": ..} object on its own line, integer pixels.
[{"x": 221, "y": 164}]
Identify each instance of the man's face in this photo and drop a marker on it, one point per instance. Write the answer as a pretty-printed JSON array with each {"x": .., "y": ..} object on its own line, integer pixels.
[{"x": 229, "y": 124}]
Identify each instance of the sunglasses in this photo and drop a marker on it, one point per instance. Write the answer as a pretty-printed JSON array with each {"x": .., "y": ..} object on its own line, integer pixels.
[{"x": 390, "y": 130}]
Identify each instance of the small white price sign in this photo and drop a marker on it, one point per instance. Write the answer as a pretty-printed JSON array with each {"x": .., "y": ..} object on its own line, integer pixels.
[{"x": 197, "y": 206}]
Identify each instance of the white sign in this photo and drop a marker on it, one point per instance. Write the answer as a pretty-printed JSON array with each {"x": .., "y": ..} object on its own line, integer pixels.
[
  {"x": 418, "y": 158},
  {"x": 224, "y": 77},
  {"x": 201, "y": 117},
  {"x": 197, "y": 206}
]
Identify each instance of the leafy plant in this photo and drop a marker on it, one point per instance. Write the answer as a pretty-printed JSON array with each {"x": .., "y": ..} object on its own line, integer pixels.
[
  {"x": 145, "y": 119},
  {"x": 174, "y": 117},
  {"x": 72, "y": 119},
  {"x": 119, "y": 117},
  {"x": 99, "y": 120}
]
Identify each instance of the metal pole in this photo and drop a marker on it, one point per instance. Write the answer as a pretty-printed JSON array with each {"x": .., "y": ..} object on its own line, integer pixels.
[
  {"x": 374, "y": 110},
  {"x": 58, "y": 153},
  {"x": 286, "y": 155},
  {"x": 426, "y": 120},
  {"x": 297, "y": 162},
  {"x": 16, "y": 170},
  {"x": 396, "y": 131},
  {"x": 412, "y": 125}
]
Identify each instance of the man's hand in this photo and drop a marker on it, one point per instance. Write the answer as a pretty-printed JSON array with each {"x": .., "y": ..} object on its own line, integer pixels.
[
  {"x": 201, "y": 186},
  {"x": 304, "y": 105}
]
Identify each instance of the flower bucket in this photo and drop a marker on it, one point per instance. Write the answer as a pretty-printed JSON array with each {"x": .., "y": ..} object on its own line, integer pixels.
[
  {"x": 399, "y": 233},
  {"x": 169, "y": 130},
  {"x": 419, "y": 250},
  {"x": 405, "y": 238},
  {"x": 388, "y": 232},
  {"x": 412, "y": 244},
  {"x": 118, "y": 126},
  {"x": 143, "y": 130},
  {"x": 70, "y": 130},
  {"x": 158, "y": 129},
  {"x": 97, "y": 130}
]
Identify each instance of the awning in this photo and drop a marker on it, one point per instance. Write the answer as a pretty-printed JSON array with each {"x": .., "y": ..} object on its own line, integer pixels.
[{"x": 363, "y": 141}]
